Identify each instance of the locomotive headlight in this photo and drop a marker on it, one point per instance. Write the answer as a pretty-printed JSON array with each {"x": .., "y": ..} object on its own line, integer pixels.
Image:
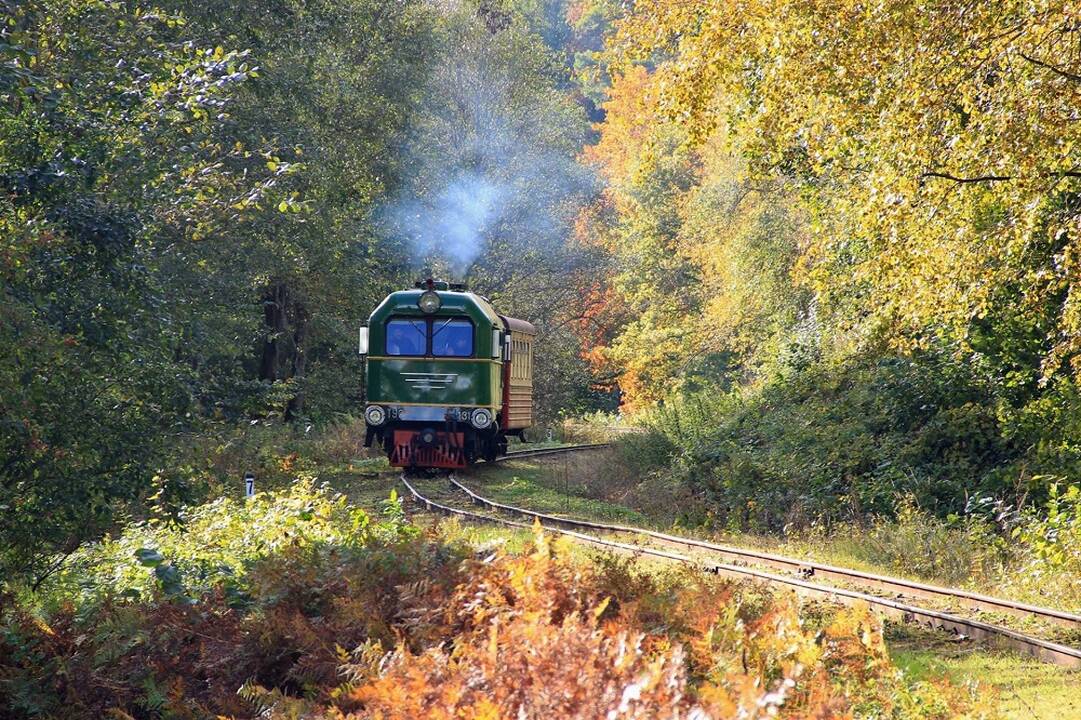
[
  {"x": 429, "y": 301},
  {"x": 375, "y": 415},
  {"x": 481, "y": 418}
]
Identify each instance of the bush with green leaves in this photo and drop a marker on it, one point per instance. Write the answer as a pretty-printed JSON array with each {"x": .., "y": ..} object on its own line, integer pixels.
[
  {"x": 212, "y": 546},
  {"x": 267, "y": 590},
  {"x": 1047, "y": 543},
  {"x": 843, "y": 441}
]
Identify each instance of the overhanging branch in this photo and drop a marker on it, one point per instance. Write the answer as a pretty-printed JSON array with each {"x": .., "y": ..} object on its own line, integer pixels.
[
  {"x": 992, "y": 178},
  {"x": 1048, "y": 66},
  {"x": 976, "y": 179}
]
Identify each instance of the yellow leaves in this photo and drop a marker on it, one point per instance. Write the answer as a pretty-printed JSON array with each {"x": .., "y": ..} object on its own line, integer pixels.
[
  {"x": 937, "y": 150},
  {"x": 484, "y": 709},
  {"x": 42, "y": 626},
  {"x": 541, "y": 541},
  {"x": 630, "y": 122},
  {"x": 287, "y": 462},
  {"x": 601, "y": 607},
  {"x": 493, "y": 642}
]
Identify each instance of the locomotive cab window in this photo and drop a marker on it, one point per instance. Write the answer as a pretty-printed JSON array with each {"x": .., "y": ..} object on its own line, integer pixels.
[
  {"x": 407, "y": 337},
  {"x": 452, "y": 337}
]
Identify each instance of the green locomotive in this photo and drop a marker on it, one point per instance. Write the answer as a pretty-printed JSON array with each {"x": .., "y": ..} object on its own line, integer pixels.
[{"x": 448, "y": 379}]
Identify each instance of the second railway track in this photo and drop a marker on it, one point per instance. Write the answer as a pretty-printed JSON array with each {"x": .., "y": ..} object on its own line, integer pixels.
[{"x": 741, "y": 559}]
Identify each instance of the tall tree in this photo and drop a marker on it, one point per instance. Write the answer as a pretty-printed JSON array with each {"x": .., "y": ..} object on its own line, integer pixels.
[
  {"x": 107, "y": 135},
  {"x": 937, "y": 141},
  {"x": 186, "y": 233}
]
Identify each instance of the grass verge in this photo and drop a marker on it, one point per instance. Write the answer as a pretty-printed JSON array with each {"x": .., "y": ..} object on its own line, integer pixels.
[{"x": 1027, "y": 689}]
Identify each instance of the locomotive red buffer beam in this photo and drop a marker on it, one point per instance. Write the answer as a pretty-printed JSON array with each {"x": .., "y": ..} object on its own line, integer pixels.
[{"x": 428, "y": 448}]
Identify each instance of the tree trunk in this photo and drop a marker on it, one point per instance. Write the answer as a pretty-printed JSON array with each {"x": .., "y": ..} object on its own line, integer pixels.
[
  {"x": 284, "y": 352},
  {"x": 300, "y": 318},
  {"x": 275, "y": 300}
]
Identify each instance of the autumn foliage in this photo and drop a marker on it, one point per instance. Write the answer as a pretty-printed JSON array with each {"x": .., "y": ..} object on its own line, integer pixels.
[
  {"x": 925, "y": 154},
  {"x": 388, "y": 623}
]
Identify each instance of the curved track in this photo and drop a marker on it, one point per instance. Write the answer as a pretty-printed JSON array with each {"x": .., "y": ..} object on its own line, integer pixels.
[
  {"x": 550, "y": 451},
  {"x": 1042, "y": 649},
  {"x": 807, "y": 568}
]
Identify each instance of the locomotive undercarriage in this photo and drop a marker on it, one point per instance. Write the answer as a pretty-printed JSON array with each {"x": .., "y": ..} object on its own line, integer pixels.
[{"x": 440, "y": 445}]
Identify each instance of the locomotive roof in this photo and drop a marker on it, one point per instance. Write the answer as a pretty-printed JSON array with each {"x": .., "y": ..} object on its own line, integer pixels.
[
  {"x": 519, "y": 325},
  {"x": 454, "y": 302}
]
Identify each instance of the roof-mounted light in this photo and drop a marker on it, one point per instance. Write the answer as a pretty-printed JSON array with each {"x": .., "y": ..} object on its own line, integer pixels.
[{"x": 429, "y": 301}]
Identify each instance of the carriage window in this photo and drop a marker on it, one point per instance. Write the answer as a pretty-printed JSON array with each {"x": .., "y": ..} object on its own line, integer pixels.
[
  {"x": 407, "y": 337},
  {"x": 452, "y": 338}
]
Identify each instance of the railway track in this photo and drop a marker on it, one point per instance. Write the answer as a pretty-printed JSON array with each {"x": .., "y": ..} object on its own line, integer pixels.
[
  {"x": 550, "y": 451},
  {"x": 893, "y": 608},
  {"x": 806, "y": 568}
]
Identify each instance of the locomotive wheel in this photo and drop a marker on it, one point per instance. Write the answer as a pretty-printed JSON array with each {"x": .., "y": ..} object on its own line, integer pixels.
[
  {"x": 494, "y": 447},
  {"x": 491, "y": 449}
]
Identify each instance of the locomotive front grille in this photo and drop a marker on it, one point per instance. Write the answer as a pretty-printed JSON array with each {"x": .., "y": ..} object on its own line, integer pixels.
[{"x": 448, "y": 450}]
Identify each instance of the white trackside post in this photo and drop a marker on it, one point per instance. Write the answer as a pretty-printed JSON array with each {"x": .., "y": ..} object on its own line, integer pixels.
[{"x": 249, "y": 485}]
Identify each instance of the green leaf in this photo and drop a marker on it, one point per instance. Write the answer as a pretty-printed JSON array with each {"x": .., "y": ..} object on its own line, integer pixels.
[{"x": 149, "y": 557}]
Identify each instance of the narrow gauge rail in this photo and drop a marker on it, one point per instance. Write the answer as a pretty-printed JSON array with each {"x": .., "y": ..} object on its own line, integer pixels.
[
  {"x": 550, "y": 451},
  {"x": 1036, "y": 647},
  {"x": 806, "y": 568}
]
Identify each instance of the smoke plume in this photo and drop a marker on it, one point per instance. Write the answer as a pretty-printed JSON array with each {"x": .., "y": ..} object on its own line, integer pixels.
[
  {"x": 451, "y": 224},
  {"x": 491, "y": 155}
]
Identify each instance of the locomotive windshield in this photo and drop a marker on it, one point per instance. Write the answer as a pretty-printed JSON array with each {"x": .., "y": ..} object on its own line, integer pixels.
[
  {"x": 407, "y": 337},
  {"x": 452, "y": 338},
  {"x": 440, "y": 337}
]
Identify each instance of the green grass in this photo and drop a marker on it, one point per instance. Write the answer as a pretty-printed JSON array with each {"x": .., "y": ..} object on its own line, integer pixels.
[
  {"x": 1027, "y": 689},
  {"x": 916, "y": 546},
  {"x": 537, "y": 485},
  {"x": 366, "y": 482},
  {"x": 518, "y": 446},
  {"x": 483, "y": 538}
]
